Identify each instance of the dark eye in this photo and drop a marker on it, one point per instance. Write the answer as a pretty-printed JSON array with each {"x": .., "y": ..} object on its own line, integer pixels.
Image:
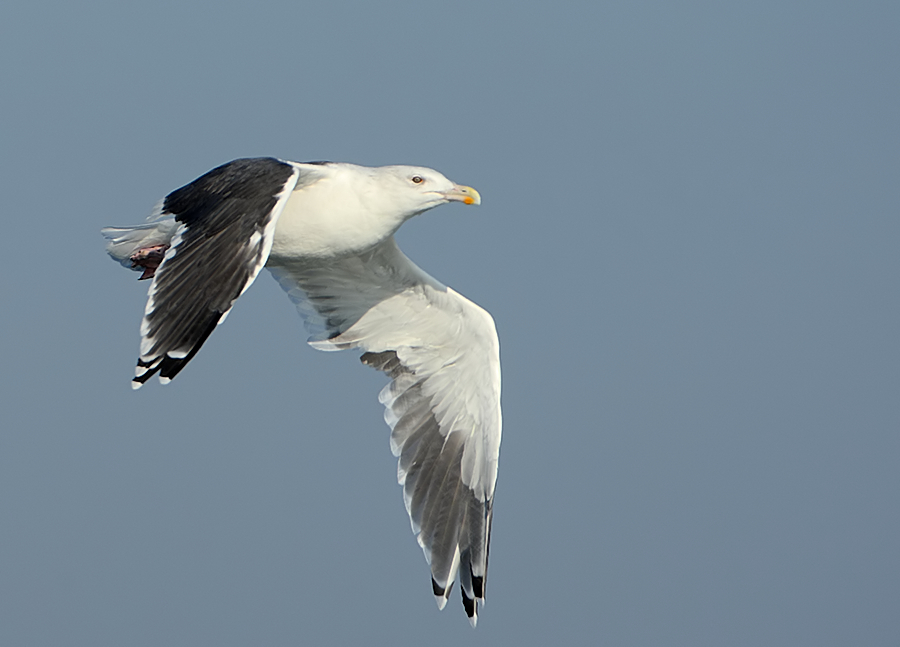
[{"x": 417, "y": 179}]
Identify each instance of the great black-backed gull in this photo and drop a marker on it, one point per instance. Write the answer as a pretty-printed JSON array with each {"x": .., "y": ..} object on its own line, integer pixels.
[{"x": 325, "y": 231}]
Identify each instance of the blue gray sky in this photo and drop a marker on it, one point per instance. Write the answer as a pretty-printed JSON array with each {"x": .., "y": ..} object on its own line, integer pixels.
[{"x": 688, "y": 239}]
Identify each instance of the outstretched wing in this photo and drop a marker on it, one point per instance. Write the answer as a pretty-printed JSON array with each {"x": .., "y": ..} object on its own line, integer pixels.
[
  {"x": 443, "y": 403},
  {"x": 225, "y": 222}
]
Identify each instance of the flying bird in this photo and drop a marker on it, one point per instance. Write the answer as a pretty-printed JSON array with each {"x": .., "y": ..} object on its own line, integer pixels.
[{"x": 325, "y": 231}]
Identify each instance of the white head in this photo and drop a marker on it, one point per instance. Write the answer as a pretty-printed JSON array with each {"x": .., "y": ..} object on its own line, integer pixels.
[{"x": 414, "y": 189}]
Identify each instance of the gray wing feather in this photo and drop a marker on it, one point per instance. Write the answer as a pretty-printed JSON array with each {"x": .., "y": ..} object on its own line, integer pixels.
[
  {"x": 442, "y": 404},
  {"x": 451, "y": 523}
]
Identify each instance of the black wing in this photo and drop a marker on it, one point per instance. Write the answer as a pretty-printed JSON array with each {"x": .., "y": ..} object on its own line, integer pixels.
[{"x": 226, "y": 223}]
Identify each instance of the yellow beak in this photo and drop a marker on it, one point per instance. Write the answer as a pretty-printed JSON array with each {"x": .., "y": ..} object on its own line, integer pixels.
[{"x": 464, "y": 194}]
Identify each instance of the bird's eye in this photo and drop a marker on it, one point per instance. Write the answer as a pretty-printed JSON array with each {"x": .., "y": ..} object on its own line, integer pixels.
[{"x": 417, "y": 179}]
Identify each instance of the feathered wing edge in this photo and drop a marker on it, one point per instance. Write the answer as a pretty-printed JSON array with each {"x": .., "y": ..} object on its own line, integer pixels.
[
  {"x": 451, "y": 523},
  {"x": 441, "y": 353}
]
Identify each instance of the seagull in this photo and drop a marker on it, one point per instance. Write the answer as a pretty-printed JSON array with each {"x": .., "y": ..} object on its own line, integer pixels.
[{"x": 325, "y": 231}]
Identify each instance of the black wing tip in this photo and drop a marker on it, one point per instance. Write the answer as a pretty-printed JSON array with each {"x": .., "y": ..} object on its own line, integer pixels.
[
  {"x": 168, "y": 367},
  {"x": 468, "y": 604},
  {"x": 478, "y": 587},
  {"x": 144, "y": 371},
  {"x": 441, "y": 594}
]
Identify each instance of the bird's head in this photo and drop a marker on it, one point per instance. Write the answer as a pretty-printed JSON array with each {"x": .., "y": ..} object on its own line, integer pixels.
[{"x": 416, "y": 189}]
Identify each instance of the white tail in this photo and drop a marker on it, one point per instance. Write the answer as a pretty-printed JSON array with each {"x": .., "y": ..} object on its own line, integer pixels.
[{"x": 125, "y": 241}]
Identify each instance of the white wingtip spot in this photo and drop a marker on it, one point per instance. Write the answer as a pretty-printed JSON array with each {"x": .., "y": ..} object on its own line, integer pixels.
[
  {"x": 441, "y": 602},
  {"x": 135, "y": 385},
  {"x": 473, "y": 620},
  {"x": 164, "y": 380}
]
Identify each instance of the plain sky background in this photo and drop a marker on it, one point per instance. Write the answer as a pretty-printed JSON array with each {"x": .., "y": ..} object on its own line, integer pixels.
[{"x": 688, "y": 239}]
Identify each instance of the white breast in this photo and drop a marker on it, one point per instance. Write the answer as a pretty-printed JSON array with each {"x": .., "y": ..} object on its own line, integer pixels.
[{"x": 333, "y": 216}]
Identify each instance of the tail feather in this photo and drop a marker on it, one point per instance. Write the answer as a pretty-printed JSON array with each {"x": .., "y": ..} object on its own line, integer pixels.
[{"x": 125, "y": 241}]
